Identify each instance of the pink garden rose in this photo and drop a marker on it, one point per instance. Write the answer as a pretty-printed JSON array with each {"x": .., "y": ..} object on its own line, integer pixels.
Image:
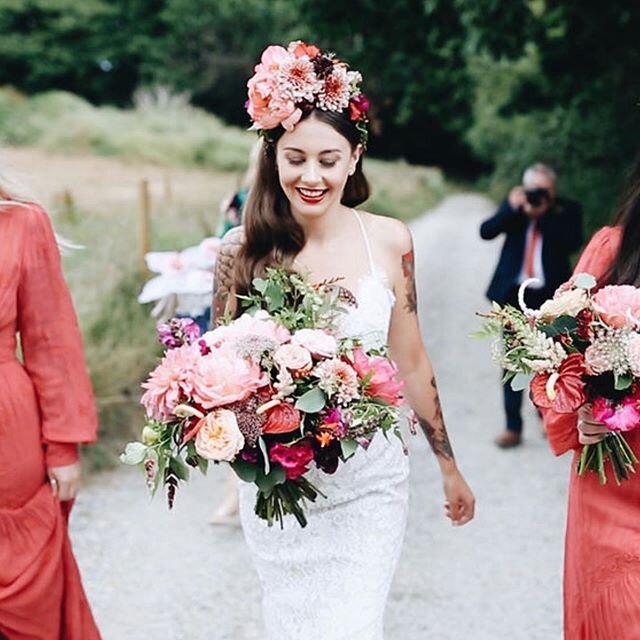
[
  {"x": 169, "y": 383},
  {"x": 259, "y": 324},
  {"x": 223, "y": 377},
  {"x": 293, "y": 357},
  {"x": 381, "y": 375},
  {"x": 615, "y": 303},
  {"x": 318, "y": 342}
]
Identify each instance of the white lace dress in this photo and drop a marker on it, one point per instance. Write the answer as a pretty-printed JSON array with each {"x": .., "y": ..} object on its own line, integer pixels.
[{"x": 330, "y": 580}]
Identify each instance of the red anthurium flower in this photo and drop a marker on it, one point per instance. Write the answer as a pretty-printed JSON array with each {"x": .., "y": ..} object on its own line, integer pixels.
[
  {"x": 283, "y": 418},
  {"x": 562, "y": 391}
]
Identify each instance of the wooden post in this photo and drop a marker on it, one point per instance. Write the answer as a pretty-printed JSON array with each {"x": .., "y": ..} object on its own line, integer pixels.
[
  {"x": 69, "y": 210},
  {"x": 144, "y": 214}
]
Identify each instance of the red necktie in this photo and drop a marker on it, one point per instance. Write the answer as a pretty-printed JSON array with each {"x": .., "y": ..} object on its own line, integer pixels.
[{"x": 530, "y": 251}]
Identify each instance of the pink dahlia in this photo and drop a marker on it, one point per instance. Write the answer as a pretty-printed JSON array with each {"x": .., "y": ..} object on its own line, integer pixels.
[
  {"x": 336, "y": 90},
  {"x": 338, "y": 380},
  {"x": 297, "y": 80},
  {"x": 170, "y": 383}
]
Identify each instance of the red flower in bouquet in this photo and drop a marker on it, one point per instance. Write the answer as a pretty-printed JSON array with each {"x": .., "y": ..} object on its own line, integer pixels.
[
  {"x": 283, "y": 418},
  {"x": 293, "y": 458},
  {"x": 380, "y": 376},
  {"x": 563, "y": 390}
]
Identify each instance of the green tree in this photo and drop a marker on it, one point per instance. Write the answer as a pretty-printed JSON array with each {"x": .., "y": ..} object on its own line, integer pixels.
[
  {"x": 210, "y": 47},
  {"x": 411, "y": 54}
]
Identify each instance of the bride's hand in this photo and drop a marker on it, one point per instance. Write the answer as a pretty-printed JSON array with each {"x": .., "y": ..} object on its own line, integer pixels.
[
  {"x": 590, "y": 431},
  {"x": 460, "y": 502}
]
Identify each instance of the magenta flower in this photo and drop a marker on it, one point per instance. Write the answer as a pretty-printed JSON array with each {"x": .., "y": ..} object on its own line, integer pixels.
[
  {"x": 178, "y": 331},
  {"x": 623, "y": 416},
  {"x": 293, "y": 458}
]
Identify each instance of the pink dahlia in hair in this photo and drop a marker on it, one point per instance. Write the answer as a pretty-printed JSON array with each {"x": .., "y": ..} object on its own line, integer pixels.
[
  {"x": 297, "y": 80},
  {"x": 336, "y": 89},
  {"x": 169, "y": 383}
]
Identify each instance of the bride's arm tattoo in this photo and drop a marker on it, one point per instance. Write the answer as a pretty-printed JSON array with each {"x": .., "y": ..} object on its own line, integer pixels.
[
  {"x": 408, "y": 271},
  {"x": 434, "y": 429}
]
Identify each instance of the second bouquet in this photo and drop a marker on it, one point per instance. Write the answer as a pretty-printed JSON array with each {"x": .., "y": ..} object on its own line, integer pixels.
[
  {"x": 580, "y": 348},
  {"x": 271, "y": 393}
]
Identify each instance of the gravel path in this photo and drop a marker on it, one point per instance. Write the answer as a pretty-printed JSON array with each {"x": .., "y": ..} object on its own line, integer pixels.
[{"x": 152, "y": 574}]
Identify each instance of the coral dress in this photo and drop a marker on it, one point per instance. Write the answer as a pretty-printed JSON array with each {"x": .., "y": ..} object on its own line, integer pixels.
[
  {"x": 602, "y": 548},
  {"x": 46, "y": 408}
]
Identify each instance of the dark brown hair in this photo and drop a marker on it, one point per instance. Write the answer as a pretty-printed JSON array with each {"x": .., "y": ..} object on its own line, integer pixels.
[
  {"x": 271, "y": 234},
  {"x": 626, "y": 265}
]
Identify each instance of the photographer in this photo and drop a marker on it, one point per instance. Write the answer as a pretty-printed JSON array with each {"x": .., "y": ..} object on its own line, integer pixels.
[{"x": 541, "y": 232}]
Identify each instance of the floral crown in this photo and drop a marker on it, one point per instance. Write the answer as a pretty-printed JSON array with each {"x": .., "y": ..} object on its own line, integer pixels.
[{"x": 290, "y": 82}]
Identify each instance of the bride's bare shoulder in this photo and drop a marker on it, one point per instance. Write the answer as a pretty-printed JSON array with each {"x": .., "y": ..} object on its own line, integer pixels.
[{"x": 388, "y": 232}]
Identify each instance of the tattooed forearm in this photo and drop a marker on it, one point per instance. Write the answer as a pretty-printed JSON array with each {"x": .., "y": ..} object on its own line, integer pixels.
[
  {"x": 434, "y": 429},
  {"x": 408, "y": 270},
  {"x": 219, "y": 305}
]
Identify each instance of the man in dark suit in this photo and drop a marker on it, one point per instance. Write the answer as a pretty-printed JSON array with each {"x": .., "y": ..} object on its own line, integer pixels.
[{"x": 541, "y": 232}]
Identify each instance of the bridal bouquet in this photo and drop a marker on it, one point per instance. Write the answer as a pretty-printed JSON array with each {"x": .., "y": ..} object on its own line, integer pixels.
[
  {"x": 270, "y": 393},
  {"x": 579, "y": 347}
]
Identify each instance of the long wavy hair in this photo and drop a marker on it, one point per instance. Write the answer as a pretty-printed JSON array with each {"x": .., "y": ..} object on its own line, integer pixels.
[
  {"x": 271, "y": 234},
  {"x": 626, "y": 265},
  {"x": 14, "y": 192}
]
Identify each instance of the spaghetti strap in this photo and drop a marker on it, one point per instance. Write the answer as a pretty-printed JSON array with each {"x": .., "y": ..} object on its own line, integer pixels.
[{"x": 367, "y": 244}]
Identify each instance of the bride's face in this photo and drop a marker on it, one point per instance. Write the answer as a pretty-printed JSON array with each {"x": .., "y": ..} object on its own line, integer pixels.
[{"x": 314, "y": 162}]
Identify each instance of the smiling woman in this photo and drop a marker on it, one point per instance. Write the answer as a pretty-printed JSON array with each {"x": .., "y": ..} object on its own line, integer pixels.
[{"x": 331, "y": 579}]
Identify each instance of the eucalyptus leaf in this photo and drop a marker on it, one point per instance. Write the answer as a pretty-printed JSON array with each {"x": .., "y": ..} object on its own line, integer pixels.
[
  {"x": 349, "y": 446},
  {"x": 179, "y": 468},
  {"x": 266, "y": 482},
  {"x": 563, "y": 324},
  {"x": 274, "y": 296},
  {"x": 521, "y": 381},
  {"x": 134, "y": 453},
  {"x": 260, "y": 285},
  {"x": 584, "y": 281},
  {"x": 245, "y": 470},
  {"x": 622, "y": 382},
  {"x": 312, "y": 401}
]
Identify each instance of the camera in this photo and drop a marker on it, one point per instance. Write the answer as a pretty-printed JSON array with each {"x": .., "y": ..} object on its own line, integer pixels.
[{"x": 537, "y": 197}]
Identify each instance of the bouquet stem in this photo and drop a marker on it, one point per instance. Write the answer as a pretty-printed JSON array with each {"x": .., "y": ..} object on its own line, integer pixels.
[
  {"x": 615, "y": 449},
  {"x": 286, "y": 498}
]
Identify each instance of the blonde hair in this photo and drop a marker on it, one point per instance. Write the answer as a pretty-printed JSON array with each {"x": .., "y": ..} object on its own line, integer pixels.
[{"x": 14, "y": 192}]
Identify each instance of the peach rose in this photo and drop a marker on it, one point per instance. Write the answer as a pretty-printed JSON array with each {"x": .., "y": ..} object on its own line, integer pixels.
[
  {"x": 293, "y": 357},
  {"x": 219, "y": 438},
  {"x": 259, "y": 324}
]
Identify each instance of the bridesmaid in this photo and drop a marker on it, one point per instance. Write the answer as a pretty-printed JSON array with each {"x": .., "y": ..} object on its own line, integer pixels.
[
  {"x": 602, "y": 550},
  {"x": 46, "y": 409}
]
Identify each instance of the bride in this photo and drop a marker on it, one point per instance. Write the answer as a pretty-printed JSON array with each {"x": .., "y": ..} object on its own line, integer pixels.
[{"x": 331, "y": 579}]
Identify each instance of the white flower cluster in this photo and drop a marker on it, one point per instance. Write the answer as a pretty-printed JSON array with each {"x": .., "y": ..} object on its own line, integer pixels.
[
  {"x": 544, "y": 353},
  {"x": 612, "y": 350}
]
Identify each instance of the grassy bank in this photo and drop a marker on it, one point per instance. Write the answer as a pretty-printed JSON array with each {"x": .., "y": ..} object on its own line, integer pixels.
[{"x": 87, "y": 165}]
